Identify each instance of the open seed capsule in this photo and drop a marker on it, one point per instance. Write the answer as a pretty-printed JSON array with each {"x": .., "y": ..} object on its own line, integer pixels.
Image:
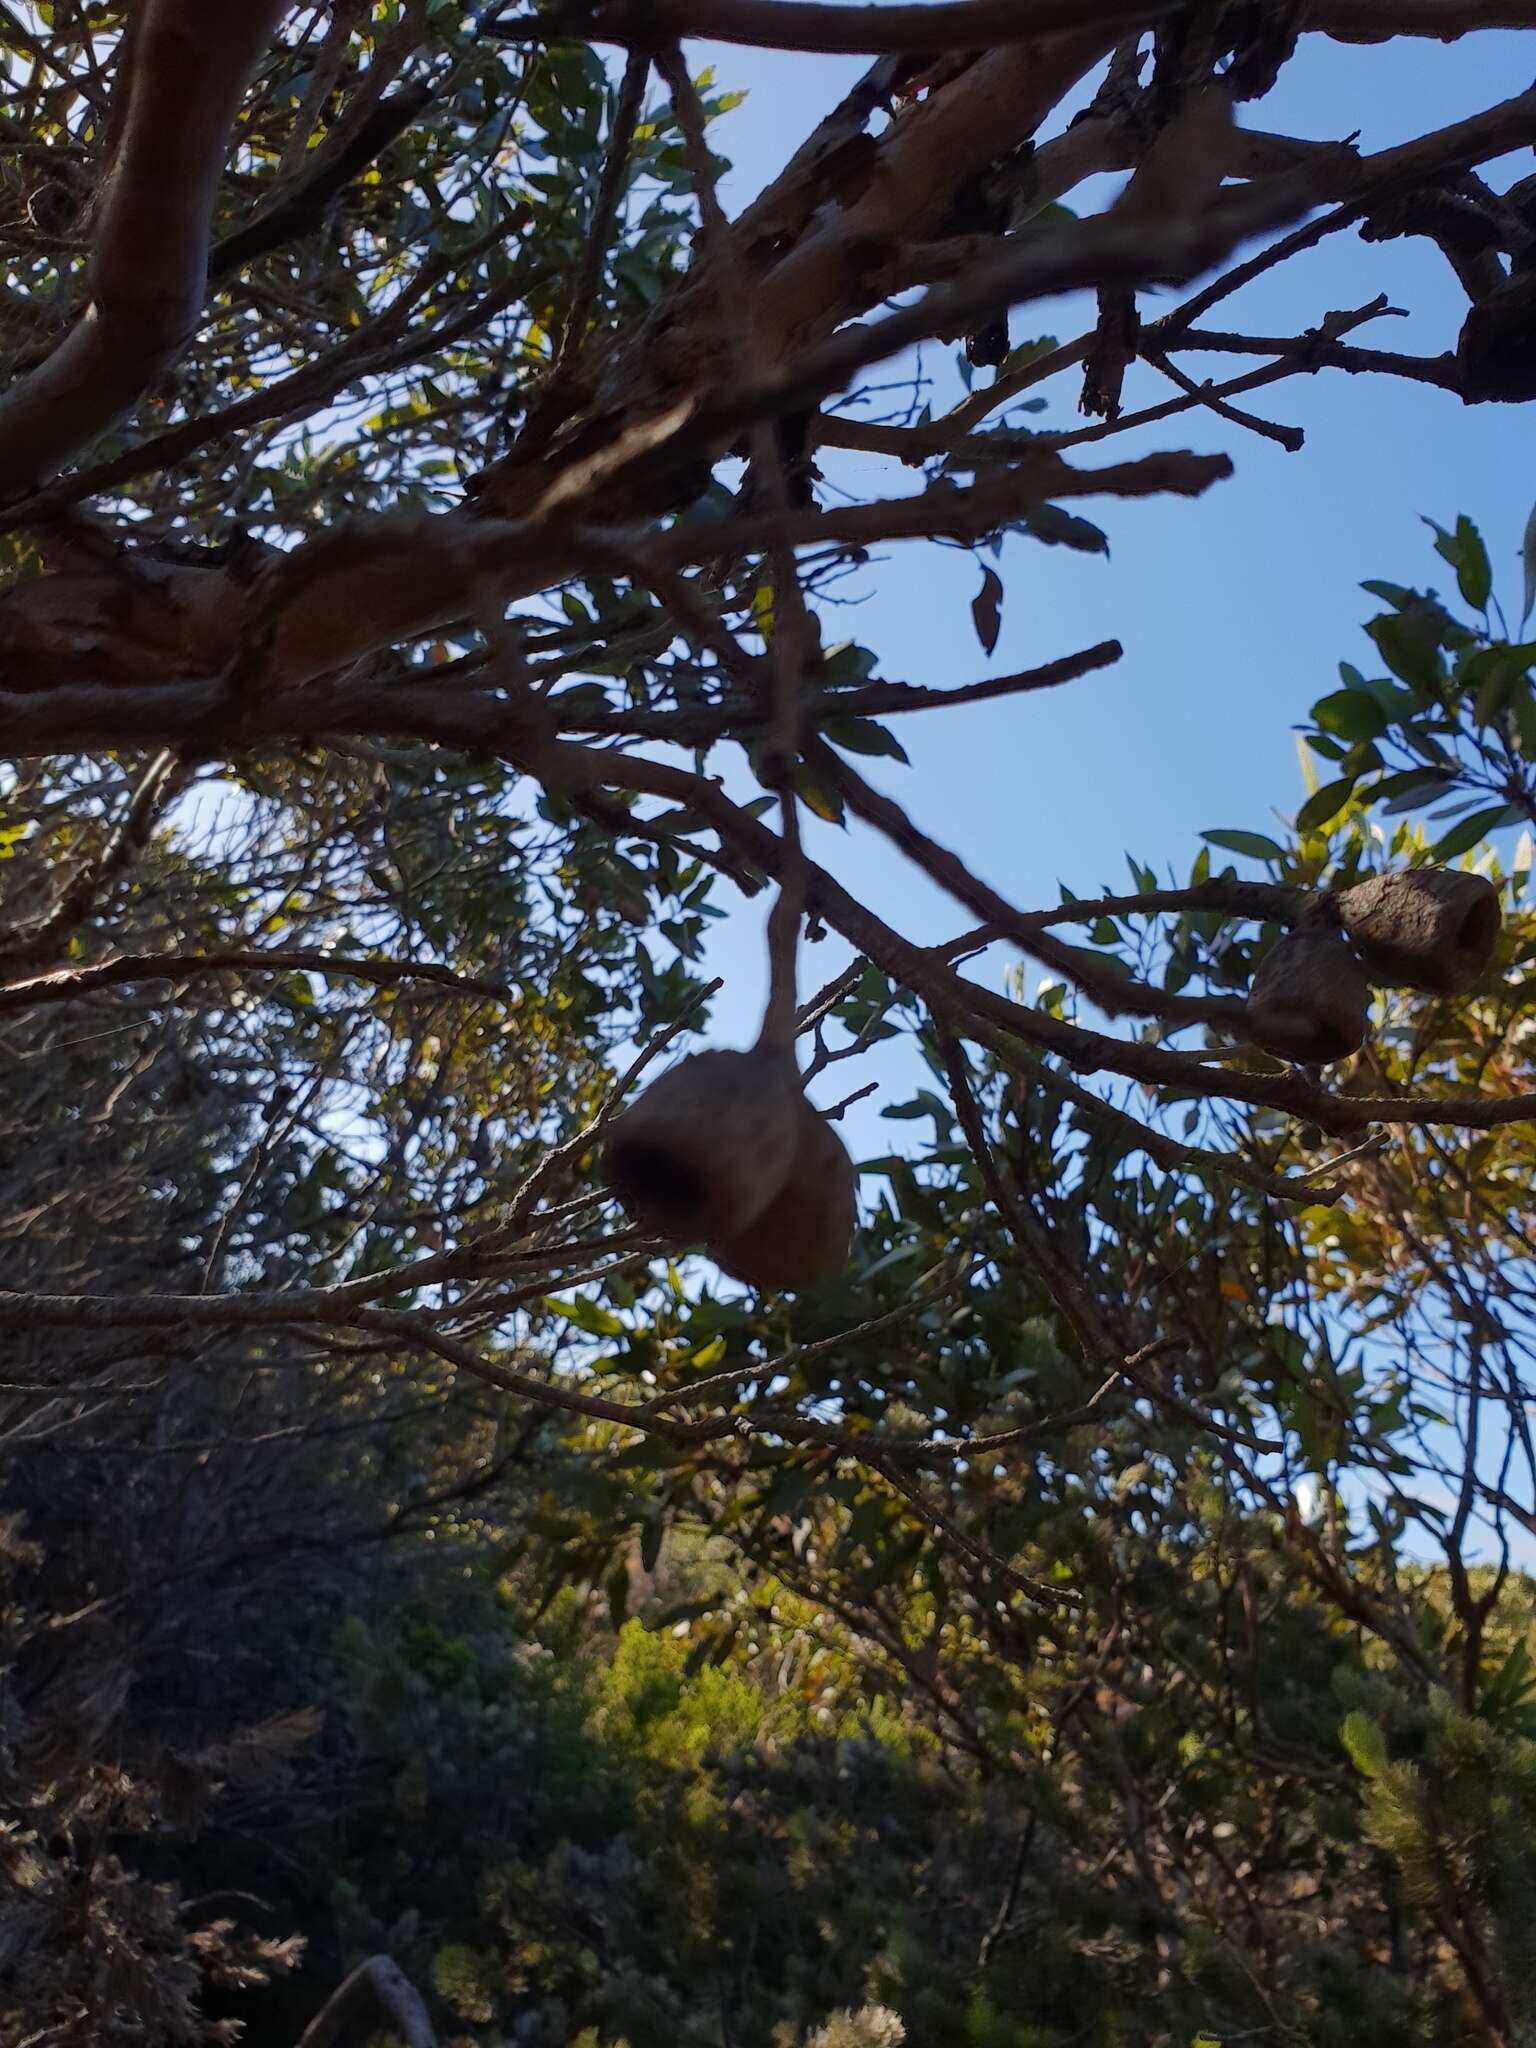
[
  {"x": 1310, "y": 999},
  {"x": 1431, "y": 928},
  {"x": 706, "y": 1148},
  {"x": 804, "y": 1233}
]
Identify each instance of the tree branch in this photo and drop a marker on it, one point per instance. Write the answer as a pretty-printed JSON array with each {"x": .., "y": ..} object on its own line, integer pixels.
[
  {"x": 297, "y": 212},
  {"x": 1376, "y": 21},
  {"x": 572, "y": 768},
  {"x": 149, "y": 260},
  {"x": 829, "y": 29},
  {"x": 66, "y": 984},
  {"x": 378, "y": 1983},
  {"x": 1101, "y": 977}
]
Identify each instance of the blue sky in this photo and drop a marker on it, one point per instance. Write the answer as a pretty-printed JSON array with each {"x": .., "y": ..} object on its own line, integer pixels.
[{"x": 1234, "y": 609}]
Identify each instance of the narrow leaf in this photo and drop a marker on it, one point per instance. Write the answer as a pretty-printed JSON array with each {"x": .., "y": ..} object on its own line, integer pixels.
[
  {"x": 1471, "y": 831},
  {"x": 1254, "y": 844},
  {"x": 586, "y": 1315},
  {"x": 1324, "y": 805},
  {"x": 1364, "y": 1744},
  {"x": 1474, "y": 576},
  {"x": 1064, "y": 529},
  {"x": 864, "y": 736},
  {"x": 987, "y": 609}
]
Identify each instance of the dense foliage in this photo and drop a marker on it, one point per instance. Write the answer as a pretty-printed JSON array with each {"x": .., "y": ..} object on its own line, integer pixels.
[
  {"x": 1095, "y": 1617},
  {"x": 341, "y": 1660}
]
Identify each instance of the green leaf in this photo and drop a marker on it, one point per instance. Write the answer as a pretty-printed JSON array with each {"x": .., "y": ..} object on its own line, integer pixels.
[
  {"x": 823, "y": 803},
  {"x": 643, "y": 278},
  {"x": 1254, "y": 844},
  {"x": 1361, "y": 757},
  {"x": 1063, "y": 529},
  {"x": 1528, "y": 557},
  {"x": 1491, "y": 677},
  {"x": 1392, "y": 593},
  {"x": 1397, "y": 702},
  {"x": 864, "y": 736},
  {"x": 1472, "y": 831},
  {"x": 1466, "y": 554},
  {"x": 987, "y": 610},
  {"x": 1351, "y": 715},
  {"x": 1364, "y": 1744},
  {"x": 1324, "y": 805},
  {"x": 847, "y": 662},
  {"x": 924, "y": 1104},
  {"x": 1031, "y": 351},
  {"x": 1410, "y": 788},
  {"x": 1474, "y": 576},
  {"x": 586, "y": 1315},
  {"x": 1410, "y": 649}
]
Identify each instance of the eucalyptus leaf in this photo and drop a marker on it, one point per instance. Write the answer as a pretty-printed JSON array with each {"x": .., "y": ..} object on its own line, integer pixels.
[
  {"x": 1324, "y": 805},
  {"x": 1254, "y": 844}
]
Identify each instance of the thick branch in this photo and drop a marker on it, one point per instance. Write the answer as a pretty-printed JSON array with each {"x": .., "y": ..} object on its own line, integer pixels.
[
  {"x": 381, "y": 582},
  {"x": 1122, "y": 247},
  {"x": 377, "y": 582},
  {"x": 481, "y": 725},
  {"x": 1321, "y": 351},
  {"x": 1375, "y": 21},
  {"x": 860, "y": 30},
  {"x": 380, "y": 1985},
  {"x": 964, "y": 24},
  {"x": 149, "y": 261}
]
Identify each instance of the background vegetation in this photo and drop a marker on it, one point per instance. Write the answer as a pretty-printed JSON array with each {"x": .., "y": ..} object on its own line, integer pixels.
[{"x": 1097, "y": 1617}]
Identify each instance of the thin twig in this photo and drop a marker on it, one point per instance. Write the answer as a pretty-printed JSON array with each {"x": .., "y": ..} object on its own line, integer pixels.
[
  {"x": 791, "y": 635},
  {"x": 67, "y": 984},
  {"x": 800, "y": 1355},
  {"x": 165, "y": 776},
  {"x": 609, "y": 191},
  {"x": 936, "y": 1518},
  {"x": 1292, "y": 439},
  {"x": 559, "y": 1158}
]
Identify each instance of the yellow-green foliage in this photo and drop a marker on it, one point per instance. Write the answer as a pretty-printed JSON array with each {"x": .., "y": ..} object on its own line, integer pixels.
[{"x": 647, "y": 1707}]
